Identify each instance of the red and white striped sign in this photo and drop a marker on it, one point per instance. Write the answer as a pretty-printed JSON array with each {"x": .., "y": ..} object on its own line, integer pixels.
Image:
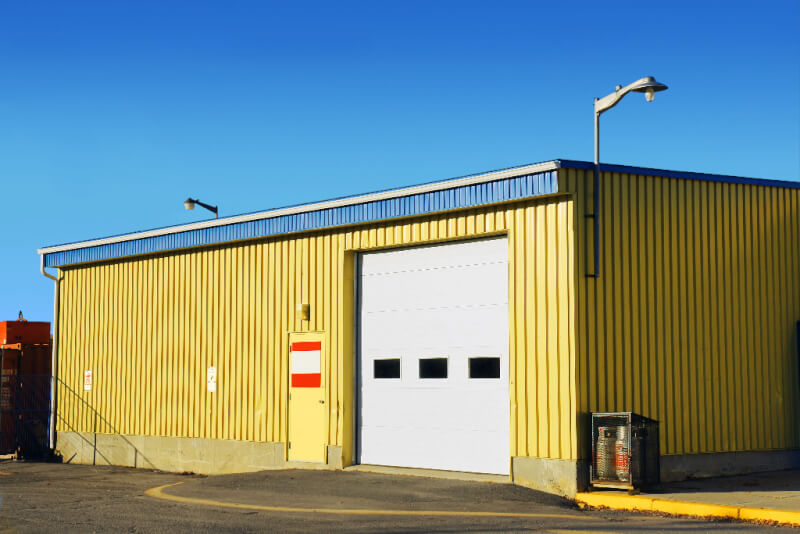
[{"x": 305, "y": 364}]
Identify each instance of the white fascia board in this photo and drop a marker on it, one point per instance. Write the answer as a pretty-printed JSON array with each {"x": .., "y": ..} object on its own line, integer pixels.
[{"x": 394, "y": 193}]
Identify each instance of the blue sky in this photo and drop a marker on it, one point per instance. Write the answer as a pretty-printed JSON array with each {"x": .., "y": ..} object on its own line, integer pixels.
[{"x": 112, "y": 113}]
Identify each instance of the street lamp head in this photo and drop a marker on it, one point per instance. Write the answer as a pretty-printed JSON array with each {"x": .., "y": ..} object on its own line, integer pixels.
[
  {"x": 190, "y": 202},
  {"x": 649, "y": 86}
]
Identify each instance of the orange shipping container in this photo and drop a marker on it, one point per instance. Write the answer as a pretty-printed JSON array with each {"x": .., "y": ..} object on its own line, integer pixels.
[{"x": 25, "y": 332}]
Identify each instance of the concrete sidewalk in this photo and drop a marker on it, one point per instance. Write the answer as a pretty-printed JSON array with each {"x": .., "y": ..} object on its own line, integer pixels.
[{"x": 773, "y": 497}]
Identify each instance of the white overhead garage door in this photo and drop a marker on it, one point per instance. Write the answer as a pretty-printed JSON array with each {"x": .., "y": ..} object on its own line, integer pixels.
[{"x": 433, "y": 349}]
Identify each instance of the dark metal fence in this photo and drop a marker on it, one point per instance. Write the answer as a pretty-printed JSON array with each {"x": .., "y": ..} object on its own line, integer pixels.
[{"x": 25, "y": 414}]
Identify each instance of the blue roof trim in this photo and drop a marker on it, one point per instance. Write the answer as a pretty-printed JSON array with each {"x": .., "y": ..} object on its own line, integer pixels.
[
  {"x": 514, "y": 188},
  {"x": 645, "y": 171}
]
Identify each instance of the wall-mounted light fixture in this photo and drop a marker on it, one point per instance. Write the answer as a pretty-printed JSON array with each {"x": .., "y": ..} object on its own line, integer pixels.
[
  {"x": 303, "y": 312},
  {"x": 190, "y": 202}
]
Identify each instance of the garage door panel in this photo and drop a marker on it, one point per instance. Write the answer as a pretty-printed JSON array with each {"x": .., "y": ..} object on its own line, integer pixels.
[
  {"x": 436, "y": 409},
  {"x": 486, "y": 326},
  {"x": 457, "y": 367},
  {"x": 472, "y": 252},
  {"x": 448, "y": 301},
  {"x": 449, "y": 451},
  {"x": 434, "y": 288}
]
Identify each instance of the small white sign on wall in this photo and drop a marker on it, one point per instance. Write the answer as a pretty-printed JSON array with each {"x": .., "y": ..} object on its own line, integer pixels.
[
  {"x": 87, "y": 380},
  {"x": 211, "y": 379}
]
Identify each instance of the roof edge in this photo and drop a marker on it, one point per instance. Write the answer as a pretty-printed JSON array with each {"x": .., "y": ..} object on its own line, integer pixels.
[
  {"x": 687, "y": 175},
  {"x": 417, "y": 189},
  {"x": 302, "y": 208}
]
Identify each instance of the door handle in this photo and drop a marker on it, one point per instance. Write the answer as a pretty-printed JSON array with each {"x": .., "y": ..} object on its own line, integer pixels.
[{"x": 322, "y": 402}]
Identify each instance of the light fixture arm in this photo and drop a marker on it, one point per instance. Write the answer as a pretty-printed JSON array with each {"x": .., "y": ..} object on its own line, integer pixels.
[
  {"x": 209, "y": 207},
  {"x": 611, "y": 100}
]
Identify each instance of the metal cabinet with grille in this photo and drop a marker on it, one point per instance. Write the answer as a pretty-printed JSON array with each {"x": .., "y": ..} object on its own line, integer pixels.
[{"x": 625, "y": 452}]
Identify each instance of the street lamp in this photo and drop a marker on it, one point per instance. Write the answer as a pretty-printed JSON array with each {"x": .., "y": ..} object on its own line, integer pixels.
[
  {"x": 647, "y": 85},
  {"x": 190, "y": 202}
]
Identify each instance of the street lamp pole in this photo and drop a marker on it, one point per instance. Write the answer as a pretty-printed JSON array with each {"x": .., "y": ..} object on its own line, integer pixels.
[{"x": 647, "y": 85}]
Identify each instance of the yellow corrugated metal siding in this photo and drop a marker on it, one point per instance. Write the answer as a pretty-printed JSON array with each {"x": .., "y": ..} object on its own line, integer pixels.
[
  {"x": 149, "y": 327},
  {"x": 692, "y": 319}
]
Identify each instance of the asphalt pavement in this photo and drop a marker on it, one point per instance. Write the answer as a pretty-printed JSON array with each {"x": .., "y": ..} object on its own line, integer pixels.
[{"x": 40, "y": 497}]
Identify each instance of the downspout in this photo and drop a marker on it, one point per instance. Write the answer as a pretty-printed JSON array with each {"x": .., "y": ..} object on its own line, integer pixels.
[
  {"x": 53, "y": 357},
  {"x": 596, "y": 197}
]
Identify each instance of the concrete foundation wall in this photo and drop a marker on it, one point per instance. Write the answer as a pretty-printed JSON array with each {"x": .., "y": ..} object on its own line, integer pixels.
[
  {"x": 562, "y": 477},
  {"x": 685, "y": 466},
  {"x": 195, "y": 455},
  {"x": 219, "y": 456}
]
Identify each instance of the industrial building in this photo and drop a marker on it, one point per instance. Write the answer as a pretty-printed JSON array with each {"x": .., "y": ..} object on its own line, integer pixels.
[{"x": 470, "y": 325}]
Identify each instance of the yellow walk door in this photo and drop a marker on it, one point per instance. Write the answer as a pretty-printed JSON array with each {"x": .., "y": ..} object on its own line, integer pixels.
[{"x": 308, "y": 426}]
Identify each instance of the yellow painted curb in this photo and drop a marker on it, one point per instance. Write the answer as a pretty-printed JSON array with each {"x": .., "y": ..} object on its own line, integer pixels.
[
  {"x": 158, "y": 493},
  {"x": 619, "y": 502},
  {"x": 764, "y": 514},
  {"x": 697, "y": 509}
]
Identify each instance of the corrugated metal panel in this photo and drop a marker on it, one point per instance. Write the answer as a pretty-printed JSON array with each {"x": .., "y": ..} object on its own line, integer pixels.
[
  {"x": 691, "y": 322},
  {"x": 515, "y": 188},
  {"x": 149, "y": 328},
  {"x": 543, "y": 331}
]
